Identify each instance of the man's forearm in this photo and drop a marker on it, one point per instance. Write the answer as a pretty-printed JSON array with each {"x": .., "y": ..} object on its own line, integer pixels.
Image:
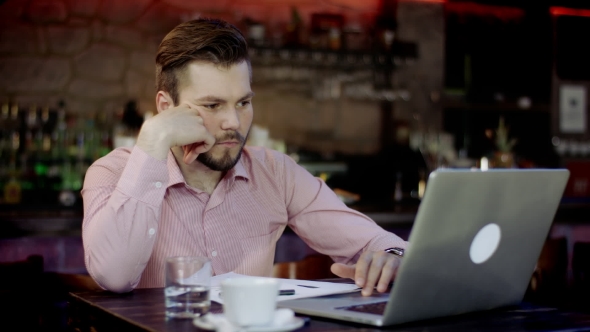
[
  {"x": 123, "y": 194},
  {"x": 118, "y": 241}
]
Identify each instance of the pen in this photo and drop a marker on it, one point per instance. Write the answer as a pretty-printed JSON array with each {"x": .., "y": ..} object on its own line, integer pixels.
[
  {"x": 287, "y": 292},
  {"x": 281, "y": 292},
  {"x": 307, "y": 286}
]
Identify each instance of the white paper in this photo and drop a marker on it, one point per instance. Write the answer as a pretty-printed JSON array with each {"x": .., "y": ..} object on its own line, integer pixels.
[
  {"x": 314, "y": 288},
  {"x": 572, "y": 109}
]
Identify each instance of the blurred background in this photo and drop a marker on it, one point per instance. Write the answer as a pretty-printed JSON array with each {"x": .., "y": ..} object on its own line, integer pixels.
[
  {"x": 356, "y": 92},
  {"x": 369, "y": 95}
]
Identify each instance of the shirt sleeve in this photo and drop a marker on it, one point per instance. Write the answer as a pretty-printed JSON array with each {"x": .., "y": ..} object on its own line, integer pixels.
[
  {"x": 325, "y": 223},
  {"x": 122, "y": 194}
]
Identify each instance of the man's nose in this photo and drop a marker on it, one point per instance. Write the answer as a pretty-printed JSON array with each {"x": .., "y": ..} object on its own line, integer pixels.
[{"x": 231, "y": 120}]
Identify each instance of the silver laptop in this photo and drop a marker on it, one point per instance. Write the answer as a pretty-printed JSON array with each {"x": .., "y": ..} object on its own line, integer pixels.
[{"x": 474, "y": 245}]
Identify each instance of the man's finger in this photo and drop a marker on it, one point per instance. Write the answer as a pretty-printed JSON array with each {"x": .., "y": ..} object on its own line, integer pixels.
[
  {"x": 362, "y": 268},
  {"x": 192, "y": 151},
  {"x": 207, "y": 143},
  {"x": 343, "y": 270},
  {"x": 374, "y": 273},
  {"x": 388, "y": 273},
  {"x": 190, "y": 154}
]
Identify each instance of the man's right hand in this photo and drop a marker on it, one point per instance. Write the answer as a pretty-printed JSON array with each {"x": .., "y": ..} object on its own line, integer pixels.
[{"x": 176, "y": 126}]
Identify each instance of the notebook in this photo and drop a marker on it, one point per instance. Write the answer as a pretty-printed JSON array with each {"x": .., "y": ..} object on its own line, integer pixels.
[{"x": 474, "y": 245}]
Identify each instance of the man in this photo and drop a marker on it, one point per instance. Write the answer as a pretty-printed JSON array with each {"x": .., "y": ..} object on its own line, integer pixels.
[{"x": 190, "y": 187}]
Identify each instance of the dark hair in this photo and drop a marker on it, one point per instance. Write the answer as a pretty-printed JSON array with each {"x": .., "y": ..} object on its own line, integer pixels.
[{"x": 209, "y": 40}]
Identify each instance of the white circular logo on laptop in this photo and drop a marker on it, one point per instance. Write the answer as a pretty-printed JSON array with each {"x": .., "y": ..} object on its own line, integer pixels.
[{"x": 485, "y": 243}]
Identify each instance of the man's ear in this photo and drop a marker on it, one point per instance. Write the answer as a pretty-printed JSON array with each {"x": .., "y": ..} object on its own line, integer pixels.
[{"x": 163, "y": 101}]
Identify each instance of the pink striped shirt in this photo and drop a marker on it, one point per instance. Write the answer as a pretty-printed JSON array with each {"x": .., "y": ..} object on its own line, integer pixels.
[{"x": 139, "y": 210}]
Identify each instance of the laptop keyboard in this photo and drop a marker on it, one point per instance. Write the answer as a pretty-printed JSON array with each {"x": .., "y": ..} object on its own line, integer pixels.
[{"x": 377, "y": 308}]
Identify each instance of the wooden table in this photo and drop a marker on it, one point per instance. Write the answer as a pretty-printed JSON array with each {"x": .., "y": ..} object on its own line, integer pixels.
[{"x": 143, "y": 310}]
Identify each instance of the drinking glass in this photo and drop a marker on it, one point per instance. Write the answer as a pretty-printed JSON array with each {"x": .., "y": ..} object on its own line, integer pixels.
[{"x": 188, "y": 281}]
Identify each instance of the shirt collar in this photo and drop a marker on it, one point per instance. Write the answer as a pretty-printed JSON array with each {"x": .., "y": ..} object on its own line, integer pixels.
[
  {"x": 238, "y": 170},
  {"x": 175, "y": 175}
]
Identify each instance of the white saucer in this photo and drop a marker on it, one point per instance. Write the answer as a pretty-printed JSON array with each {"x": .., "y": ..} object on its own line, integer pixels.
[{"x": 293, "y": 324}]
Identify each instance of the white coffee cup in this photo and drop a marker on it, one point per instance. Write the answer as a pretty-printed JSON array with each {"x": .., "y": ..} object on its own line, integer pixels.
[{"x": 249, "y": 301}]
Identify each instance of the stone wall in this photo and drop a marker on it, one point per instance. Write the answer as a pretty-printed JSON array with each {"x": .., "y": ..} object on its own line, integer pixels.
[{"x": 98, "y": 54}]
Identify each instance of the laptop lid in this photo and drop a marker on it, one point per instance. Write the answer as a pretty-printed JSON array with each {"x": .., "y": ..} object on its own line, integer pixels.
[{"x": 475, "y": 242}]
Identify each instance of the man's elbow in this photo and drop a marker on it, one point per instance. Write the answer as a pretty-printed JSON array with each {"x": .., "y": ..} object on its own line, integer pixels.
[
  {"x": 111, "y": 275},
  {"x": 114, "y": 284},
  {"x": 113, "y": 281}
]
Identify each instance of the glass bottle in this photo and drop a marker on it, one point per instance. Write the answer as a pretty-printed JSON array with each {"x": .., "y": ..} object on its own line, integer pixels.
[{"x": 12, "y": 188}]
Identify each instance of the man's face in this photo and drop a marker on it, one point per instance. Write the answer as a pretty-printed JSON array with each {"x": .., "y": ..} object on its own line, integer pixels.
[{"x": 223, "y": 98}]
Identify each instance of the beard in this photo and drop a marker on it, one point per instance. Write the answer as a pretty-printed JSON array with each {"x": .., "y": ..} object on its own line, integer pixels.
[{"x": 226, "y": 161}]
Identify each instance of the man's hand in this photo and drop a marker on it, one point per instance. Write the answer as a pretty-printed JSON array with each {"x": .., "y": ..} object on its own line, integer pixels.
[
  {"x": 176, "y": 126},
  {"x": 373, "y": 268}
]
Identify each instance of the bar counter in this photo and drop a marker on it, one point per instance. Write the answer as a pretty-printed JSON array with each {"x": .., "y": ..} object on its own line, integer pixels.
[
  {"x": 32, "y": 220},
  {"x": 56, "y": 232}
]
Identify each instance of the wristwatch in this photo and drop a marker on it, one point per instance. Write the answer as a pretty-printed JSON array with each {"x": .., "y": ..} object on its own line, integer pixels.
[{"x": 396, "y": 251}]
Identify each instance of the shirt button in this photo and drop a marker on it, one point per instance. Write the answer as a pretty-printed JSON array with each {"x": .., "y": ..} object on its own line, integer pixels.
[
  {"x": 214, "y": 253},
  {"x": 152, "y": 231},
  {"x": 158, "y": 184}
]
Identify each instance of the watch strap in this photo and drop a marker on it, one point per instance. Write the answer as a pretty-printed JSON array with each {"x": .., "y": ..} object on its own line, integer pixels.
[{"x": 396, "y": 251}]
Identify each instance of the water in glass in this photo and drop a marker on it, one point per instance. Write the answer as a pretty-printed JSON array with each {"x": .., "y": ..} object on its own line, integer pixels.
[{"x": 186, "y": 301}]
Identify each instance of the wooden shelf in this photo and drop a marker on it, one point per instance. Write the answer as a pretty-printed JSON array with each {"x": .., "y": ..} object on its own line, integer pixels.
[
  {"x": 401, "y": 53},
  {"x": 505, "y": 106}
]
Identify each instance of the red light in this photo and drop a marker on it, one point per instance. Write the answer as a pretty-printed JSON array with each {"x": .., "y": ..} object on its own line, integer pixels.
[
  {"x": 430, "y": 1},
  {"x": 560, "y": 11},
  {"x": 483, "y": 10}
]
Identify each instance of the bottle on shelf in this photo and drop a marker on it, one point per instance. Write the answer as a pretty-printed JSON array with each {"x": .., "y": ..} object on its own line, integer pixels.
[
  {"x": 66, "y": 196},
  {"x": 45, "y": 152},
  {"x": 12, "y": 189}
]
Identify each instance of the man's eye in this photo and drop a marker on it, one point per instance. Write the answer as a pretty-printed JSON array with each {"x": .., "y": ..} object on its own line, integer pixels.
[
  {"x": 211, "y": 106},
  {"x": 244, "y": 103}
]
